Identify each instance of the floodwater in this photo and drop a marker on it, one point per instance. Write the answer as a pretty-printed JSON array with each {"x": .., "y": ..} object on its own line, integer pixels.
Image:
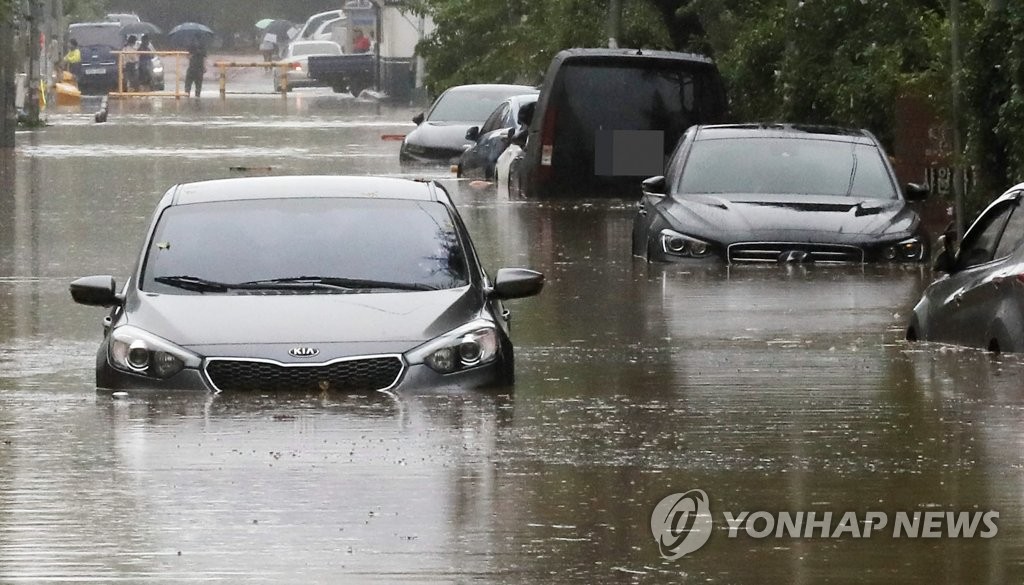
[{"x": 770, "y": 389}]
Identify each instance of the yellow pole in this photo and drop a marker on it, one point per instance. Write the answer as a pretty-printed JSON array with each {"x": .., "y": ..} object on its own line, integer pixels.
[
  {"x": 284, "y": 81},
  {"x": 120, "y": 72},
  {"x": 223, "y": 80}
]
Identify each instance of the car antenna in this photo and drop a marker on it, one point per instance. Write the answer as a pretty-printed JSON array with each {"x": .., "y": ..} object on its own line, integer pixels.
[{"x": 639, "y": 51}]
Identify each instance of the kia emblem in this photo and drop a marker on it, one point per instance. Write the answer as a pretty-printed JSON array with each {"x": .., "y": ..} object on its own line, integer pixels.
[{"x": 303, "y": 352}]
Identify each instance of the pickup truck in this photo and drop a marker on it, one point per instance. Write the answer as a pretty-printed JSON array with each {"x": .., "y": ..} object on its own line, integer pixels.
[{"x": 353, "y": 72}]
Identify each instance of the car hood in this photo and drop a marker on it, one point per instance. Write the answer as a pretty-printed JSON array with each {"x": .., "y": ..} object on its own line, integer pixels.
[
  {"x": 446, "y": 135},
  {"x": 753, "y": 217},
  {"x": 377, "y": 320}
]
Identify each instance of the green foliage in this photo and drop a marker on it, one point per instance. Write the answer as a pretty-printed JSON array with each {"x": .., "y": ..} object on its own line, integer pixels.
[
  {"x": 993, "y": 93},
  {"x": 84, "y": 10}
]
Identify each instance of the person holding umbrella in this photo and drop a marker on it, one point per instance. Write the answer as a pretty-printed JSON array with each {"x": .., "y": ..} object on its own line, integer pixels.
[{"x": 196, "y": 66}]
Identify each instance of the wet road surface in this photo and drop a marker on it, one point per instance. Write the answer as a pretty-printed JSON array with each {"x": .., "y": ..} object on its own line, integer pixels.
[{"x": 770, "y": 389}]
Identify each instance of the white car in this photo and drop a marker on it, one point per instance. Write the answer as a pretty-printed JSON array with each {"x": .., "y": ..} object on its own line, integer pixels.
[{"x": 297, "y": 59}]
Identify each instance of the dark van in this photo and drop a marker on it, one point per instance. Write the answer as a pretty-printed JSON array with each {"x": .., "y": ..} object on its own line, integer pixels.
[
  {"x": 97, "y": 42},
  {"x": 606, "y": 118}
]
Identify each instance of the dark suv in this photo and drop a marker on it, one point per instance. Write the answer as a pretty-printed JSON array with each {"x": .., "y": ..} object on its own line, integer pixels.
[
  {"x": 97, "y": 42},
  {"x": 607, "y": 118}
]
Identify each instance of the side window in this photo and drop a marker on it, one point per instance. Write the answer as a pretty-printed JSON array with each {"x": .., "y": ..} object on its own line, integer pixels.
[
  {"x": 494, "y": 121},
  {"x": 979, "y": 244},
  {"x": 1013, "y": 233}
]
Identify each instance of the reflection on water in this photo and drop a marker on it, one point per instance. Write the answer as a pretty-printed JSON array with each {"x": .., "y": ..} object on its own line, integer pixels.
[{"x": 770, "y": 389}]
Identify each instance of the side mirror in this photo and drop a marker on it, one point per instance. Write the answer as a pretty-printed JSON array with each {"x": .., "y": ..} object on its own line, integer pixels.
[
  {"x": 96, "y": 291},
  {"x": 915, "y": 192},
  {"x": 525, "y": 115},
  {"x": 654, "y": 186},
  {"x": 516, "y": 283},
  {"x": 944, "y": 261},
  {"x": 418, "y": 119},
  {"x": 473, "y": 133}
]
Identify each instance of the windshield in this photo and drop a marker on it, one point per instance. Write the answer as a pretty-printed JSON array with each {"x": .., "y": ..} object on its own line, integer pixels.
[
  {"x": 470, "y": 105},
  {"x": 98, "y": 34},
  {"x": 412, "y": 245},
  {"x": 786, "y": 166},
  {"x": 321, "y": 48}
]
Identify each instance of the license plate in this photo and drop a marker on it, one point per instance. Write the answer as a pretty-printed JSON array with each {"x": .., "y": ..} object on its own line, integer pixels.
[{"x": 99, "y": 71}]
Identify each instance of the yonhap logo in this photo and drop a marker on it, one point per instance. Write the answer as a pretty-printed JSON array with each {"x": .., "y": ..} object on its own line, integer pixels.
[{"x": 681, "y": 523}]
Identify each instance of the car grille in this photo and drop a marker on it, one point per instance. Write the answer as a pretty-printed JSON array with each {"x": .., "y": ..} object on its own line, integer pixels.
[
  {"x": 358, "y": 374},
  {"x": 770, "y": 252}
]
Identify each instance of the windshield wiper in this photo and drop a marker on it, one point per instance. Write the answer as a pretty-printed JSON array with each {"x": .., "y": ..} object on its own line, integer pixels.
[
  {"x": 193, "y": 283},
  {"x": 339, "y": 282}
]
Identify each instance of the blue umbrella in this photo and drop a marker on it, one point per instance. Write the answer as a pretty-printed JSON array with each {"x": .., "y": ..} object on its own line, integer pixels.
[{"x": 183, "y": 34}]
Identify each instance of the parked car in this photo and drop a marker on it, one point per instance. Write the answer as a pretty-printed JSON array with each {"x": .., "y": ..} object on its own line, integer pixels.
[
  {"x": 440, "y": 134},
  {"x": 278, "y": 284},
  {"x": 296, "y": 58},
  {"x": 122, "y": 18},
  {"x": 97, "y": 42},
  {"x": 607, "y": 116},
  {"x": 778, "y": 193},
  {"x": 979, "y": 299},
  {"x": 494, "y": 136}
]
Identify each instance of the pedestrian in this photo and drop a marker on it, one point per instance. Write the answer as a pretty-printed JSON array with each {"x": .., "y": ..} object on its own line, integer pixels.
[
  {"x": 130, "y": 59},
  {"x": 73, "y": 59},
  {"x": 268, "y": 47},
  {"x": 361, "y": 44},
  {"x": 145, "y": 63},
  {"x": 196, "y": 67}
]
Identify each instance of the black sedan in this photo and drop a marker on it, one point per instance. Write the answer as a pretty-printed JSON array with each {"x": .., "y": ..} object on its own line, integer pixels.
[
  {"x": 979, "y": 299},
  {"x": 496, "y": 134},
  {"x": 778, "y": 193},
  {"x": 306, "y": 284},
  {"x": 440, "y": 134}
]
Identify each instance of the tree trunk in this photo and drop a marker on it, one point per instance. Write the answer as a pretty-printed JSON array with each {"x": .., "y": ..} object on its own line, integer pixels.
[{"x": 8, "y": 68}]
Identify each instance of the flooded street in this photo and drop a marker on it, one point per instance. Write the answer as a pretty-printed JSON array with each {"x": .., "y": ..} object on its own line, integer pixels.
[{"x": 769, "y": 388}]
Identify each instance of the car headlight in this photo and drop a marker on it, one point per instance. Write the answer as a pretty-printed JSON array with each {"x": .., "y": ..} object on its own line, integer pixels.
[
  {"x": 415, "y": 149},
  {"x": 677, "y": 244},
  {"x": 468, "y": 346},
  {"x": 909, "y": 250},
  {"x": 140, "y": 352}
]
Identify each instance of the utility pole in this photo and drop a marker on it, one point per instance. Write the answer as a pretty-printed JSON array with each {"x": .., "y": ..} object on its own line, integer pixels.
[
  {"x": 958, "y": 175},
  {"x": 8, "y": 68},
  {"x": 614, "y": 23},
  {"x": 32, "y": 90}
]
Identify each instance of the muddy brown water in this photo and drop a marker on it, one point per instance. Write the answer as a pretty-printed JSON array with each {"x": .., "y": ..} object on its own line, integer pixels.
[{"x": 770, "y": 389}]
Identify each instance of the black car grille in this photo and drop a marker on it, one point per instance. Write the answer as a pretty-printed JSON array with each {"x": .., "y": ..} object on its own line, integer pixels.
[
  {"x": 772, "y": 251},
  {"x": 360, "y": 374}
]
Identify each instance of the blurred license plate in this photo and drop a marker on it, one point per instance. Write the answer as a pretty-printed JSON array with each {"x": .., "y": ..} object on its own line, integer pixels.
[{"x": 99, "y": 71}]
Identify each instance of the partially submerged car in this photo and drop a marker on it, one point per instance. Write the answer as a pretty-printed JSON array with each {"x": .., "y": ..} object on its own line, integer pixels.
[
  {"x": 978, "y": 300},
  {"x": 306, "y": 284},
  {"x": 440, "y": 133},
  {"x": 778, "y": 193},
  {"x": 496, "y": 134}
]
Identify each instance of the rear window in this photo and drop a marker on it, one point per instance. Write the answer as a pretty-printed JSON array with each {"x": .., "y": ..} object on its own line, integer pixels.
[
  {"x": 656, "y": 95},
  {"x": 91, "y": 35},
  {"x": 786, "y": 166},
  {"x": 473, "y": 105},
  {"x": 410, "y": 242}
]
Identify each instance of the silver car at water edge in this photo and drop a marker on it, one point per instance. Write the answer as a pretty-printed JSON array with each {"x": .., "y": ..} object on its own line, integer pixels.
[{"x": 978, "y": 300}]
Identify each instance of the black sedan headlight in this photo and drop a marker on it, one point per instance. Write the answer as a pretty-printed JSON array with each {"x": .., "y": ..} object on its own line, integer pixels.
[
  {"x": 677, "y": 244},
  {"x": 909, "y": 250},
  {"x": 471, "y": 345},
  {"x": 140, "y": 352}
]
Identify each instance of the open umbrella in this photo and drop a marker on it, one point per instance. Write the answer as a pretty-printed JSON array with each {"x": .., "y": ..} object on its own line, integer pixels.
[
  {"x": 183, "y": 34},
  {"x": 280, "y": 28},
  {"x": 140, "y": 28},
  {"x": 262, "y": 24}
]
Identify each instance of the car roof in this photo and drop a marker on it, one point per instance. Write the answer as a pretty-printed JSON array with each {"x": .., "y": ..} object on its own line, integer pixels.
[
  {"x": 639, "y": 54},
  {"x": 522, "y": 89},
  {"x": 783, "y": 130},
  {"x": 303, "y": 186},
  {"x": 98, "y": 23}
]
